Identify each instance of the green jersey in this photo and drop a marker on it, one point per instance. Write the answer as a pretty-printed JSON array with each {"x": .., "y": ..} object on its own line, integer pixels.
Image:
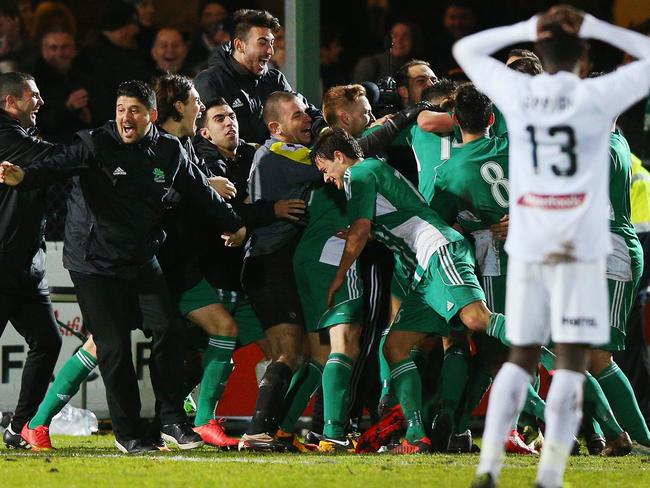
[
  {"x": 499, "y": 128},
  {"x": 626, "y": 260},
  {"x": 477, "y": 178},
  {"x": 402, "y": 220},
  {"x": 327, "y": 216}
]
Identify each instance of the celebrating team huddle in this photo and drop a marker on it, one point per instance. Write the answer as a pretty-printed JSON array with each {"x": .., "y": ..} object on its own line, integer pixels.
[{"x": 513, "y": 253}]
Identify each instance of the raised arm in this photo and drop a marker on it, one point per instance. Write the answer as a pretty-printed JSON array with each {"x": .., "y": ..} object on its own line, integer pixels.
[
  {"x": 63, "y": 162},
  {"x": 489, "y": 75}
]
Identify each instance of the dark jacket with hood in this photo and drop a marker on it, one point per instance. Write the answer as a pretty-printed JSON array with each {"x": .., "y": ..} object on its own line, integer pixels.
[
  {"x": 120, "y": 195},
  {"x": 246, "y": 93},
  {"x": 22, "y": 214}
]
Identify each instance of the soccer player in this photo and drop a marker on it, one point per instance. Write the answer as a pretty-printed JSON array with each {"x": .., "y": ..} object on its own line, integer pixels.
[
  {"x": 558, "y": 237},
  {"x": 436, "y": 258},
  {"x": 128, "y": 174},
  {"x": 281, "y": 170}
]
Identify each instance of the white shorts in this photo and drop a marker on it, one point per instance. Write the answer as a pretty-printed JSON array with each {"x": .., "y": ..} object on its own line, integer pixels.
[{"x": 566, "y": 302}]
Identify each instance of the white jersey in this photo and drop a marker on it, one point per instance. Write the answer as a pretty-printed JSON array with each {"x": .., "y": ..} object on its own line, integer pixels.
[{"x": 558, "y": 127}]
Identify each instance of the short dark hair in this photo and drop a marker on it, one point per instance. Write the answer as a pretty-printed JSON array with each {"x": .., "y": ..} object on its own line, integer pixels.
[
  {"x": 402, "y": 75},
  {"x": 169, "y": 90},
  {"x": 443, "y": 87},
  {"x": 529, "y": 66},
  {"x": 270, "y": 111},
  {"x": 245, "y": 19},
  {"x": 139, "y": 90},
  {"x": 330, "y": 140},
  {"x": 213, "y": 102},
  {"x": 13, "y": 83},
  {"x": 560, "y": 50},
  {"x": 472, "y": 109},
  {"x": 9, "y": 8}
]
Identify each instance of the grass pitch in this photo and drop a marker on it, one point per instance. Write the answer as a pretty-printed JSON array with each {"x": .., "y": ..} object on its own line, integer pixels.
[{"x": 90, "y": 462}]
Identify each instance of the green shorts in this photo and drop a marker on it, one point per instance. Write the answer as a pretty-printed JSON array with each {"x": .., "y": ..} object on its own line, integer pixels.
[
  {"x": 313, "y": 280},
  {"x": 203, "y": 295},
  {"x": 494, "y": 288},
  {"x": 621, "y": 300},
  {"x": 448, "y": 285}
]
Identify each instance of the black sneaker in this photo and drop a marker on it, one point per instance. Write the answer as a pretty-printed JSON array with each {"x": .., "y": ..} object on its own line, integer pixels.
[
  {"x": 483, "y": 481},
  {"x": 595, "y": 444},
  {"x": 135, "y": 446},
  {"x": 460, "y": 443},
  {"x": 15, "y": 441},
  {"x": 313, "y": 437},
  {"x": 182, "y": 435}
]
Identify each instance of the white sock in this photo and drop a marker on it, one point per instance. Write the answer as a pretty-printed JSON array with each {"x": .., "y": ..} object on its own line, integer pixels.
[
  {"x": 507, "y": 398},
  {"x": 563, "y": 415}
]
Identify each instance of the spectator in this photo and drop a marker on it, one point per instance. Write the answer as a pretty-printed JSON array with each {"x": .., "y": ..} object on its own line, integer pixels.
[
  {"x": 213, "y": 31},
  {"x": 332, "y": 72},
  {"x": 169, "y": 52},
  {"x": 375, "y": 66},
  {"x": 113, "y": 58},
  {"x": 16, "y": 54},
  {"x": 63, "y": 85},
  {"x": 241, "y": 67},
  {"x": 145, "y": 10},
  {"x": 459, "y": 20}
]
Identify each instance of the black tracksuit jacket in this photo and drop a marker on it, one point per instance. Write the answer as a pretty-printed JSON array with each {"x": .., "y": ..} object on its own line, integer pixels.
[
  {"x": 246, "y": 93},
  {"x": 120, "y": 195},
  {"x": 22, "y": 214}
]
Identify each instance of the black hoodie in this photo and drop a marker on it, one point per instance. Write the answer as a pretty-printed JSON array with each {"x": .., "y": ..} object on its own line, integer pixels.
[
  {"x": 119, "y": 198},
  {"x": 246, "y": 93},
  {"x": 22, "y": 213}
]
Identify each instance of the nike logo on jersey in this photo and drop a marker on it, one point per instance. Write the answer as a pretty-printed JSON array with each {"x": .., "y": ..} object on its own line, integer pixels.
[
  {"x": 450, "y": 306},
  {"x": 237, "y": 103},
  {"x": 552, "y": 202},
  {"x": 119, "y": 172}
]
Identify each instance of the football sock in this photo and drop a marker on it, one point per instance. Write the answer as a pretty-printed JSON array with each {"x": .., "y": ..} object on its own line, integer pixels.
[
  {"x": 454, "y": 379},
  {"x": 217, "y": 367},
  {"x": 506, "y": 401},
  {"x": 534, "y": 405},
  {"x": 597, "y": 406},
  {"x": 408, "y": 388},
  {"x": 497, "y": 328},
  {"x": 563, "y": 416},
  {"x": 270, "y": 396},
  {"x": 303, "y": 385},
  {"x": 384, "y": 370},
  {"x": 65, "y": 386},
  {"x": 621, "y": 397},
  {"x": 477, "y": 384},
  {"x": 336, "y": 394}
]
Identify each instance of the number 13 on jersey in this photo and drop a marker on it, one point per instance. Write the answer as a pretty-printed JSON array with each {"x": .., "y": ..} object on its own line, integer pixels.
[{"x": 563, "y": 136}]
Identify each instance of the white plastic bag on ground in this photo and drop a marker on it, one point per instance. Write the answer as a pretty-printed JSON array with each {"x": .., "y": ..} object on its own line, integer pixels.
[{"x": 74, "y": 421}]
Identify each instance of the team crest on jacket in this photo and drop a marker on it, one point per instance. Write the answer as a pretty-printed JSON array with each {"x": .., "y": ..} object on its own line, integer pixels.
[{"x": 158, "y": 175}]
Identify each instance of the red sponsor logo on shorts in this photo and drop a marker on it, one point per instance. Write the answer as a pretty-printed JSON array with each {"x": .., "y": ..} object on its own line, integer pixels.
[{"x": 552, "y": 202}]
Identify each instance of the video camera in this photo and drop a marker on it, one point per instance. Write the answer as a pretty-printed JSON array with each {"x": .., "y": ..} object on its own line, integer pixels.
[{"x": 388, "y": 101}]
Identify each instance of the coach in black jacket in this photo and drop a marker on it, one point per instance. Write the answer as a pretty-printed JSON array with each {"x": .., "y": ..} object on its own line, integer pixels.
[
  {"x": 238, "y": 71},
  {"x": 24, "y": 294},
  {"x": 128, "y": 175}
]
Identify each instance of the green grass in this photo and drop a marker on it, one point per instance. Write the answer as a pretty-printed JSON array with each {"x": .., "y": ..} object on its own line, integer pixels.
[{"x": 93, "y": 461}]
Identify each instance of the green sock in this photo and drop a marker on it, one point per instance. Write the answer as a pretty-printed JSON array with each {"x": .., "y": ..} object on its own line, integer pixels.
[
  {"x": 621, "y": 397},
  {"x": 454, "y": 376},
  {"x": 217, "y": 367},
  {"x": 597, "y": 406},
  {"x": 384, "y": 370},
  {"x": 534, "y": 405},
  {"x": 497, "y": 328},
  {"x": 304, "y": 384},
  {"x": 477, "y": 384},
  {"x": 65, "y": 386},
  {"x": 547, "y": 358},
  {"x": 408, "y": 388},
  {"x": 336, "y": 394}
]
